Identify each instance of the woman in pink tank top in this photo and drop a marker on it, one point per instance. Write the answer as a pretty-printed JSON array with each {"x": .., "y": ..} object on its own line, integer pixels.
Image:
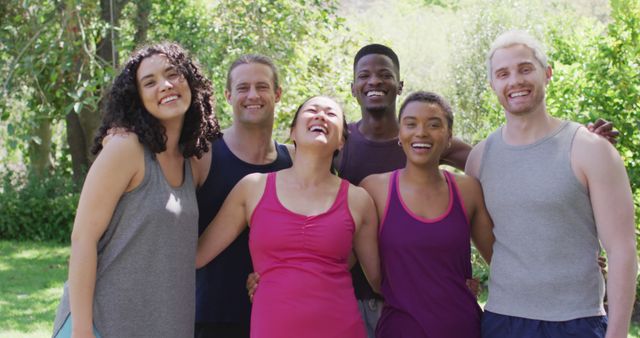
[
  {"x": 427, "y": 217},
  {"x": 304, "y": 223}
]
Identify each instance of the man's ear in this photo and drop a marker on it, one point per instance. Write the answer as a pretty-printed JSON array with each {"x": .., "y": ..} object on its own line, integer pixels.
[
  {"x": 400, "y": 86},
  {"x": 278, "y": 94},
  {"x": 227, "y": 96},
  {"x": 548, "y": 73}
]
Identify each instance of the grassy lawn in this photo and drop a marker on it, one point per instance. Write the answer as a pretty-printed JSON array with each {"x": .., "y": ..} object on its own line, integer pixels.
[{"x": 32, "y": 275}]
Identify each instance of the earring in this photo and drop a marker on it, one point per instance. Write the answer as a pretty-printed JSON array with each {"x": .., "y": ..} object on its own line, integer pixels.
[{"x": 399, "y": 143}]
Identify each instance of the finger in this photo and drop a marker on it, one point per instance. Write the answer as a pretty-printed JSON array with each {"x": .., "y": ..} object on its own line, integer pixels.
[{"x": 604, "y": 128}]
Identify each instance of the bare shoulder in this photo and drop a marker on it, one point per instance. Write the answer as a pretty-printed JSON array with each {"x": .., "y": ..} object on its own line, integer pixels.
[
  {"x": 474, "y": 160},
  {"x": 465, "y": 181},
  {"x": 377, "y": 184},
  {"x": 200, "y": 167},
  {"x": 589, "y": 149},
  {"x": 253, "y": 182},
  {"x": 123, "y": 147},
  {"x": 359, "y": 198},
  {"x": 357, "y": 193},
  {"x": 120, "y": 163},
  {"x": 373, "y": 182}
]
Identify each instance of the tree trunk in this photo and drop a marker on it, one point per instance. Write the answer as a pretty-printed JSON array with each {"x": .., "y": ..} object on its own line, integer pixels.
[
  {"x": 142, "y": 24},
  {"x": 40, "y": 149},
  {"x": 77, "y": 144}
]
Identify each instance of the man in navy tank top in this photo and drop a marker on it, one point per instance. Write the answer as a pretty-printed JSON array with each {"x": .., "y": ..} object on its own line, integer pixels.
[
  {"x": 222, "y": 305},
  {"x": 555, "y": 192}
]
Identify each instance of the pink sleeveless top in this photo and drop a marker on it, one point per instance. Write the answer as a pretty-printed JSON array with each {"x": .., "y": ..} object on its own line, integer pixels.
[{"x": 305, "y": 286}]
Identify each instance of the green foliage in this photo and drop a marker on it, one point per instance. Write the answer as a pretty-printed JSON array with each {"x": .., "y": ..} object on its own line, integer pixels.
[
  {"x": 597, "y": 75},
  {"x": 305, "y": 38},
  {"x": 37, "y": 208}
]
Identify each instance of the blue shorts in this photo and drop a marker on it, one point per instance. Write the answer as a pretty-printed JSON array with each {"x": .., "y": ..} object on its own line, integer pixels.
[
  {"x": 65, "y": 330},
  {"x": 502, "y": 326}
]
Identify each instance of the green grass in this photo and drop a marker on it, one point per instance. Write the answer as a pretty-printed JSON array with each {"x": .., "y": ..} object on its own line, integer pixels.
[
  {"x": 32, "y": 276},
  {"x": 31, "y": 279}
]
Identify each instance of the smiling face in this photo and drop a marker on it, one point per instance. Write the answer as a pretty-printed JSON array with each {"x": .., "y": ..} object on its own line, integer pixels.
[
  {"x": 319, "y": 121},
  {"x": 376, "y": 84},
  {"x": 252, "y": 94},
  {"x": 424, "y": 132},
  {"x": 519, "y": 80},
  {"x": 164, "y": 91}
]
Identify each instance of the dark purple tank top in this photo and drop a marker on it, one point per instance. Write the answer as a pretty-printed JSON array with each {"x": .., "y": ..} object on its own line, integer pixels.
[{"x": 425, "y": 264}]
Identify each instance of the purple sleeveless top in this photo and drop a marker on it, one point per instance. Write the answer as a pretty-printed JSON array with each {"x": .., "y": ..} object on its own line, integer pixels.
[{"x": 425, "y": 263}]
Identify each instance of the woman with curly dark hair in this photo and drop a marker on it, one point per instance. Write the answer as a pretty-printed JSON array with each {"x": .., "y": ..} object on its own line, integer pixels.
[{"x": 131, "y": 271}]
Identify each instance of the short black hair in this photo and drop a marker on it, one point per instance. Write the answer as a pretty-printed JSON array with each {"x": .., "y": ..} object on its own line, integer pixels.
[
  {"x": 431, "y": 98},
  {"x": 376, "y": 48}
]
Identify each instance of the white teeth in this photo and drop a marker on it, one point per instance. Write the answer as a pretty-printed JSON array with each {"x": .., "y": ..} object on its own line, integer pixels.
[
  {"x": 168, "y": 99},
  {"x": 254, "y": 106},
  {"x": 374, "y": 93},
  {"x": 422, "y": 145},
  {"x": 518, "y": 94},
  {"x": 318, "y": 128}
]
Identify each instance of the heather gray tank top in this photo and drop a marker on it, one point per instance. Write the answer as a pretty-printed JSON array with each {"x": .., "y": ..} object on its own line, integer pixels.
[
  {"x": 145, "y": 281},
  {"x": 544, "y": 263}
]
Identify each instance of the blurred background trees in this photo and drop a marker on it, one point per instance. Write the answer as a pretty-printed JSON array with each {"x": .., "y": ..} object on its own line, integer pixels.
[{"x": 58, "y": 57}]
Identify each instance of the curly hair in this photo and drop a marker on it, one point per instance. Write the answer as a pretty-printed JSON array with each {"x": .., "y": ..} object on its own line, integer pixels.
[{"x": 123, "y": 106}]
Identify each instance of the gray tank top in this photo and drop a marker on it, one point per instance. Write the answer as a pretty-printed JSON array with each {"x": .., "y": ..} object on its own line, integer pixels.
[
  {"x": 145, "y": 281},
  {"x": 544, "y": 263}
]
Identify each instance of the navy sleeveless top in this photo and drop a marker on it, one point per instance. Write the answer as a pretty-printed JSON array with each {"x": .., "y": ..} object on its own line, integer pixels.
[
  {"x": 425, "y": 264},
  {"x": 221, "y": 296}
]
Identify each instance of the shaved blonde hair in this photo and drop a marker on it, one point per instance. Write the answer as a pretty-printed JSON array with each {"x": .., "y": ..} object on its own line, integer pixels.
[{"x": 517, "y": 37}]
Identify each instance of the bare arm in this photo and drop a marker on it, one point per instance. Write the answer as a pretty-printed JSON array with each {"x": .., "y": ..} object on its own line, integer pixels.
[
  {"x": 472, "y": 167},
  {"x": 230, "y": 221},
  {"x": 598, "y": 164},
  {"x": 366, "y": 236},
  {"x": 481, "y": 224},
  {"x": 113, "y": 173}
]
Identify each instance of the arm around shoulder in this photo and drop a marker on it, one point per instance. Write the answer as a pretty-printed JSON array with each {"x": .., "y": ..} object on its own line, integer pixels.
[{"x": 231, "y": 219}]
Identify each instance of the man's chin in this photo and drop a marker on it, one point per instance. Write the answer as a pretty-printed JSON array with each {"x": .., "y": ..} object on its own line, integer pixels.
[{"x": 377, "y": 111}]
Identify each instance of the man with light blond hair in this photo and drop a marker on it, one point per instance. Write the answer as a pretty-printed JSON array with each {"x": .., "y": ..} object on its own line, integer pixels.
[{"x": 555, "y": 192}]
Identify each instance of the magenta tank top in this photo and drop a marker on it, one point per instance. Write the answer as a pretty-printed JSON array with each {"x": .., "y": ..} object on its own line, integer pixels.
[
  {"x": 425, "y": 264},
  {"x": 305, "y": 286}
]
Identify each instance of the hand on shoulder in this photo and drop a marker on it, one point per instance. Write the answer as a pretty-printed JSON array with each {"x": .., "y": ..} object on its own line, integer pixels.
[{"x": 592, "y": 156}]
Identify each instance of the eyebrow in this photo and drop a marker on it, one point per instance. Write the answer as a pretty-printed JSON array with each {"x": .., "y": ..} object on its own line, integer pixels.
[
  {"x": 169, "y": 68},
  {"x": 524, "y": 63}
]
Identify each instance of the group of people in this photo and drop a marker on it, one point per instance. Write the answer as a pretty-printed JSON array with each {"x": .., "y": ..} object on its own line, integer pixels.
[{"x": 539, "y": 197}]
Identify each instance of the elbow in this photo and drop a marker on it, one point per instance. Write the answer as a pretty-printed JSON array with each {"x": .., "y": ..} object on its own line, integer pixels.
[
  {"x": 375, "y": 285},
  {"x": 200, "y": 260}
]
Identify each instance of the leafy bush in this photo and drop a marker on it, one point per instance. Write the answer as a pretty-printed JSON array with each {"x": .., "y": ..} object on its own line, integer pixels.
[{"x": 37, "y": 208}]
